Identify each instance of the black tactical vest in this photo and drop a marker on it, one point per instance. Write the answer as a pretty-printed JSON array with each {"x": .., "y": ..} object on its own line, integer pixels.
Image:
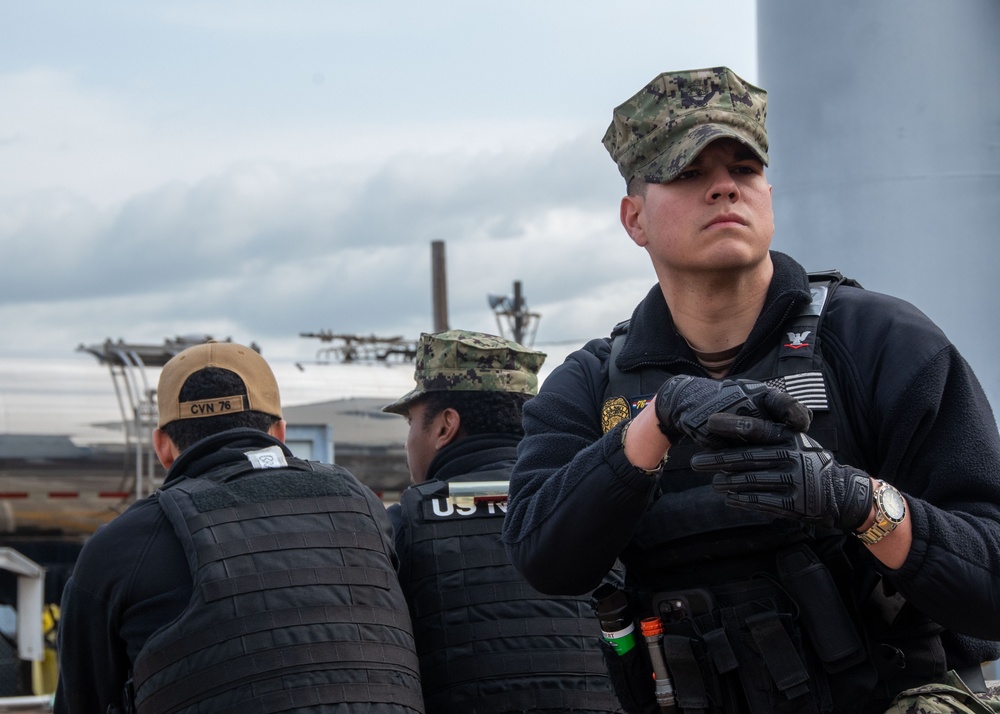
[
  {"x": 765, "y": 614},
  {"x": 295, "y": 605},
  {"x": 695, "y": 518},
  {"x": 487, "y": 641}
]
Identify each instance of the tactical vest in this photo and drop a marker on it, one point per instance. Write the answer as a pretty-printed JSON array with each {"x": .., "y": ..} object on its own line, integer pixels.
[
  {"x": 487, "y": 641},
  {"x": 295, "y": 604},
  {"x": 766, "y": 614}
]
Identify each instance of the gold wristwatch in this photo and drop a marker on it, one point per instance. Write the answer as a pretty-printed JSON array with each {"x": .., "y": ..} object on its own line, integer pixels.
[{"x": 890, "y": 510}]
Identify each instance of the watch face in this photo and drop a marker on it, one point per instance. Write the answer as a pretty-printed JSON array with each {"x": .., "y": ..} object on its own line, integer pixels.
[{"x": 893, "y": 504}]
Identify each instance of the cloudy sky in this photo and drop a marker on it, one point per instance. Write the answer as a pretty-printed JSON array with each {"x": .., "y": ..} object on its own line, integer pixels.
[{"x": 258, "y": 169}]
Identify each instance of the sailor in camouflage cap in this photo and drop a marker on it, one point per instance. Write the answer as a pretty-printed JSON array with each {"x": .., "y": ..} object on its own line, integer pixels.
[
  {"x": 464, "y": 425},
  {"x": 659, "y": 131},
  {"x": 593, "y": 482},
  {"x": 460, "y": 360}
]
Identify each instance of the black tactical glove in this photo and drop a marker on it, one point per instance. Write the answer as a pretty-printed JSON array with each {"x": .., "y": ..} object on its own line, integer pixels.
[
  {"x": 684, "y": 404},
  {"x": 798, "y": 479}
]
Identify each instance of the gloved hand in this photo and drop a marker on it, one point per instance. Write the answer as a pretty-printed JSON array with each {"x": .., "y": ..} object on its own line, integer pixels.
[
  {"x": 798, "y": 479},
  {"x": 684, "y": 405}
]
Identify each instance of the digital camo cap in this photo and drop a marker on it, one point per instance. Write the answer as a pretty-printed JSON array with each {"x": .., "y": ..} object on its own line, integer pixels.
[
  {"x": 461, "y": 360},
  {"x": 659, "y": 131}
]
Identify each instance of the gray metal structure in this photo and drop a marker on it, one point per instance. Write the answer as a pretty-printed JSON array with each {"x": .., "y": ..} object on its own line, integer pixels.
[{"x": 884, "y": 122}]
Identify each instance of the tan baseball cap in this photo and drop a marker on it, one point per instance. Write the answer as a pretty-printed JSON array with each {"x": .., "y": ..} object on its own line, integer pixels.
[{"x": 262, "y": 388}]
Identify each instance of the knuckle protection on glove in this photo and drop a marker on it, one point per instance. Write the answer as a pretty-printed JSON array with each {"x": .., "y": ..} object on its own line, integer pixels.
[
  {"x": 755, "y": 413},
  {"x": 747, "y": 429},
  {"x": 799, "y": 480},
  {"x": 666, "y": 404}
]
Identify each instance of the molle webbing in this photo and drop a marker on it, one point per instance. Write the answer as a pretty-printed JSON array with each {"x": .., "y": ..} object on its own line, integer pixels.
[
  {"x": 259, "y": 582},
  {"x": 314, "y": 696},
  {"x": 522, "y": 627},
  {"x": 549, "y": 700},
  {"x": 473, "y": 595},
  {"x": 249, "y": 625},
  {"x": 288, "y": 541},
  {"x": 247, "y": 511},
  {"x": 281, "y": 661},
  {"x": 499, "y": 665},
  {"x": 450, "y": 562}
]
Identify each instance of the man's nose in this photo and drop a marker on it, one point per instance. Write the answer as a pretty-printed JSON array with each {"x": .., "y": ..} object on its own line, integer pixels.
[{"x": 722, "y": 185}]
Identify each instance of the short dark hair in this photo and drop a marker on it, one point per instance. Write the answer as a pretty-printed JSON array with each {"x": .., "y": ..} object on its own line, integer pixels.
[
  {"x": 636, "y": 186},
  {"x": 205, "y": 384},
  {"x": 480, "y": 412}
]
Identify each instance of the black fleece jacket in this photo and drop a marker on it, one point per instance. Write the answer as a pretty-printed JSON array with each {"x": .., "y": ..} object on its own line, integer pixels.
[{"x": 919, "y": 418}]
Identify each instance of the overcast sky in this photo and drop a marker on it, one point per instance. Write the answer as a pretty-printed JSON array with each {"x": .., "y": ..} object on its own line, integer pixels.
[{"x": 254, "y": 170}]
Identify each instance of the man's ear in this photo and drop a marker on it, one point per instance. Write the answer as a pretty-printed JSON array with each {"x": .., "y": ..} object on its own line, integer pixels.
[
  {"x": 448, "y": 425},
  {"x": 631, "y": 214},
  {"x": 166, "y": 451},
  {"x": 278, "y": 429}
]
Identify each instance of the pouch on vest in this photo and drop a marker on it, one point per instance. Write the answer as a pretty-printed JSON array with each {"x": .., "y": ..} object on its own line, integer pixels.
[
  {"x": 740, "y": 648},
  {"x": 823, "y": 613}
]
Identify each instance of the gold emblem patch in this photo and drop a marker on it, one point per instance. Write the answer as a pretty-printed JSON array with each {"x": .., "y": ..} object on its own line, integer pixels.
[{"x": 614, "y": 411}]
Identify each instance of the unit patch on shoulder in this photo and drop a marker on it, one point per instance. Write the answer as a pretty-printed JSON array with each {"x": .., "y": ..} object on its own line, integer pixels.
[{"x": 614, "y": 410}]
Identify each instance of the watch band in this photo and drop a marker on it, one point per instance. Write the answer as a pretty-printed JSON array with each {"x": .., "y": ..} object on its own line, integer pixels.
[{"x": 884, "y": 523}]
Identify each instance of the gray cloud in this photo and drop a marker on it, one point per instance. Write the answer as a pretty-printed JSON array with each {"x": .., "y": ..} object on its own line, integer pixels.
[{"x": 268, "y": 250}]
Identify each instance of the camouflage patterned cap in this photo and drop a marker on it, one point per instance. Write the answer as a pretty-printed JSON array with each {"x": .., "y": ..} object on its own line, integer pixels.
[
  {"x": 459, "y": 360},
  {"x": 659, "y": 131}
]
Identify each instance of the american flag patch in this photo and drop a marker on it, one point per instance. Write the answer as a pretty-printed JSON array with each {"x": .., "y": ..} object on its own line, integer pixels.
[{"x": 808, "y": 387}]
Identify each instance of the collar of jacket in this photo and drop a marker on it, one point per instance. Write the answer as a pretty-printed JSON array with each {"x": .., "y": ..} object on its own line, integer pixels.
[
  {"x": 480, "y": 452},
  {"x": 654, "y": 341},
  {"x": 218, "y": 449}
]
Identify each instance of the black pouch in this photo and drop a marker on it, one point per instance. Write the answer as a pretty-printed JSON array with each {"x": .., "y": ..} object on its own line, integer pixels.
[
  {"x": 691, "y": 655},
  {"x": 632, "y": 678},
  {"x": 778, "y": 673},
  {"x": 822, "y": 611}
]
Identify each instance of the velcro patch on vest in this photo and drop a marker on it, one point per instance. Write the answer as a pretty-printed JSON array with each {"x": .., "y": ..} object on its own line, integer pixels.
[
  {"x": 809, "y": 388},
  {"x": 270, "y": 458},
  {"x": 263, "y": 488},
  {"x": 436, "y": 509}
]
